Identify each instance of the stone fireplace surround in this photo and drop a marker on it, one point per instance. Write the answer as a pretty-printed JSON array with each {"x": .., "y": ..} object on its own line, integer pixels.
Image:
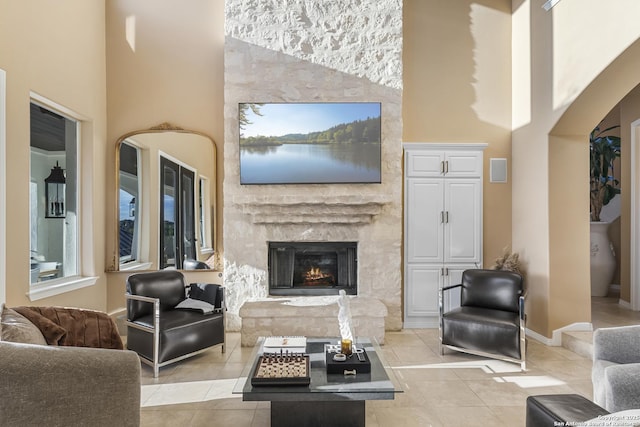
[{"x": 309, "y": 51}]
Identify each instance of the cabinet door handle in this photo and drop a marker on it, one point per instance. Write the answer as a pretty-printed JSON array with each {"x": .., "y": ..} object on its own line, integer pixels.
[
  {"x": 446, "y": 166},
  {"x": 441, "y": 217},
  {"x": 446, "y": 271},
  {"x": 446, "y": 217}
]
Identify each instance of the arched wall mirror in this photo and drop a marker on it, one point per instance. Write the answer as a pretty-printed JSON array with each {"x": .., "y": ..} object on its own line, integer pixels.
[{"x": 165, "y": 200}]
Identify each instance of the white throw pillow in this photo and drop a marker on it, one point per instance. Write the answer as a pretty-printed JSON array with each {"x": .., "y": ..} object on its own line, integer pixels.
[{"x": 196, "y": 304}]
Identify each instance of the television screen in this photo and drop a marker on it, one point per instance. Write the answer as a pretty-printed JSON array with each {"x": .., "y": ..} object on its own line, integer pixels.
[{"x": 310, "y": 143}]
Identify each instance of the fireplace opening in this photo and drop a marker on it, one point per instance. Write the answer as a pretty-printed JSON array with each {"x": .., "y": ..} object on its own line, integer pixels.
[{"x": 312, "y": 268}]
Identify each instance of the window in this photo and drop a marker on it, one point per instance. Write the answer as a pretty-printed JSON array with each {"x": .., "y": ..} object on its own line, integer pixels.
[
  {"x": 177, "y": 216},
  {"x": 129, "y": 209},
  {"x": 53, "y": 198},
  {"x": 206, "y": 245}
]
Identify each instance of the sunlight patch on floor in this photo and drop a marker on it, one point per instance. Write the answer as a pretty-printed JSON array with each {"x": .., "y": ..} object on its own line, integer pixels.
[
  {"x": 488, "y": 366},
  {"x": 531, "y": 381},
  {"x": 187, "y": 392}
]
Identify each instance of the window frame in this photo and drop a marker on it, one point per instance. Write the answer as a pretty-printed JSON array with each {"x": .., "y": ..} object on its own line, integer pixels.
[
  {"x": 205, "y": 220},
  {"x": 124, "y": 263},
  {"x": 182, "y": 169},
  {"x": 84, "y": 226}
]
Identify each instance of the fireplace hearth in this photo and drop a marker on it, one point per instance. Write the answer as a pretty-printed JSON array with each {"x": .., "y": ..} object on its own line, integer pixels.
[{"x": 313, "y": 268}]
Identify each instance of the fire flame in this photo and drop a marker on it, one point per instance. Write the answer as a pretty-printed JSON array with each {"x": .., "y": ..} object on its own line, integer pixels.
[
  {"x": 315, "y": 273},
  {"x": 315, "y": 276}
]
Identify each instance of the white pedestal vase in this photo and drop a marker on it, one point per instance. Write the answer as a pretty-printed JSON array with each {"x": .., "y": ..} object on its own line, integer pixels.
[{"x": 603, "y": 261}]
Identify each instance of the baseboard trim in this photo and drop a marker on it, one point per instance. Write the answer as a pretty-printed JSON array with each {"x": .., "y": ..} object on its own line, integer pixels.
[
  {"x": 624, "y": 304},
  {"x": 117, "y": 312},
  {"x": 421, "y": 324},
  {"x": 556, "y": 337},
  {"x": 536, "y": 336}
]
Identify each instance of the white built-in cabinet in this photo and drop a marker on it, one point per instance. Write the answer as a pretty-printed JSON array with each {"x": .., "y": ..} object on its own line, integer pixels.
[{"x": 442, "y": 224}]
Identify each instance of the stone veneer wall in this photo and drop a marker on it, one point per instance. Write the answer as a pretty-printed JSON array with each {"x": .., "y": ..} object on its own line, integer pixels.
[{"x": 314, "y": 51}]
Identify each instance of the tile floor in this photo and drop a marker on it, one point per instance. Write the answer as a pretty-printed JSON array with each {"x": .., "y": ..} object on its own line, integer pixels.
[{"x": 451, "y": 390}]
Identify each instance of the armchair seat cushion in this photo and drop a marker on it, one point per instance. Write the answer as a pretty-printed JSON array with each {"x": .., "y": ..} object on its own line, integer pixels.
[
  {"x": 478, "y": 329},
  {"x": 181, "y": 332}
]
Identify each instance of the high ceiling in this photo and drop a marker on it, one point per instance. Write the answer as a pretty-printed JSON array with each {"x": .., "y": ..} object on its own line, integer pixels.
[{"x": 47, "y": 129}]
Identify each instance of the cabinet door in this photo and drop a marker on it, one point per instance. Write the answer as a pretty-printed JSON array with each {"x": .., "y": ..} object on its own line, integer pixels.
[
  {"x": 463, "y": 164},
  {"x": 453, "y": 277},
  {"x": 463, "y": 221},
  {"x": 424, "y": 163},
  {"x": 423, "y": 228},
  {"x": 421, "y": 298}
]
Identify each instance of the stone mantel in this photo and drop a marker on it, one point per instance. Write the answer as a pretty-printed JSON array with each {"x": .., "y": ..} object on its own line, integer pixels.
[{"x": 275, "y": 209}]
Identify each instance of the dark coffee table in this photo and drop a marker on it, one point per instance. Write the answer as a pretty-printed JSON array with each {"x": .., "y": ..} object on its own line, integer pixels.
[{"x": 330, "y": 399}]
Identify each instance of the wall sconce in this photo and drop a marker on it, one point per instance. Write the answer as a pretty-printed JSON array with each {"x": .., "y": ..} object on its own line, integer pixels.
[
  {"x": 132, "y": 208},
  {"x": 55, "y": 193}
]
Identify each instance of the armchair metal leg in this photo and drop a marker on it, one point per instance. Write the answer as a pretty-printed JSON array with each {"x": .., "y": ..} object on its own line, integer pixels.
[
  {"x": 156, "y": 338},
  {"x": 523, "y": 334}
]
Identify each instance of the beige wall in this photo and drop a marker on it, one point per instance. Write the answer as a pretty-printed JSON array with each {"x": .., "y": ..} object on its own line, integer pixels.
[
  {"x": 55, "y": 49},
  {"x": 457, "y": 88},
  {"x": 165, "y": 64},
  {"x": 569, "y": 93},
  {"x": 629, "y": 109},
  {"x": 569, "y": 301}
]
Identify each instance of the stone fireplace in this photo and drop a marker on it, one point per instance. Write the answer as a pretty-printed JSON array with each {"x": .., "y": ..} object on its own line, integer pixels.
[
  {"x": 313, "y": 268},
  {"x": 309, "y": 51}
]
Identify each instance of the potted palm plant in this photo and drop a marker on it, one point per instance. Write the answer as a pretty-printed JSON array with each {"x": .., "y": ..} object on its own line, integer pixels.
[{"x": 604, "y": 150}]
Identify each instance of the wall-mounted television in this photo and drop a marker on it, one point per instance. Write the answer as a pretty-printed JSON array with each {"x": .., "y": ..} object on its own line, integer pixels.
[{"x": 310, "y": 143}]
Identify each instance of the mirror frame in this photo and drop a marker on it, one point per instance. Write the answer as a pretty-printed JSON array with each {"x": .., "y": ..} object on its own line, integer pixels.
[{"x": 162, "y": 128}]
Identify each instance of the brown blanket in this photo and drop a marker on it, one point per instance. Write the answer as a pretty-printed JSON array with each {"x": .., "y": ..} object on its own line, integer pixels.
[{"x": 74, "y": 326}]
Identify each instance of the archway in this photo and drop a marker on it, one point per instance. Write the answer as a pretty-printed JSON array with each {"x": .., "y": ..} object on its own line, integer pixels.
[{"x": 568, "y": 140}]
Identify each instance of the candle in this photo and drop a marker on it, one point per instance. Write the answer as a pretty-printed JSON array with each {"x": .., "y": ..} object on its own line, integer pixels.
[{"x": 345, "y": 346}]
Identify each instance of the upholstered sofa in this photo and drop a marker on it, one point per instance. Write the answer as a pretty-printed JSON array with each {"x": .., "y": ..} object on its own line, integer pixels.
[
  {"x": 616, "y": 368},
  {"x": 65, "y": 385}
]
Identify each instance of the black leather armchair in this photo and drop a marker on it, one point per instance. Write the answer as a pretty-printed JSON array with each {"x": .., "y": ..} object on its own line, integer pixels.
[
  {"x": 161, "y": 333},
  {"x": 490, "y": 321}
]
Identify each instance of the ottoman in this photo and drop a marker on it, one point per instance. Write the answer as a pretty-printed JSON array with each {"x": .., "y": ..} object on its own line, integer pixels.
[{"x": 560, "y": 410}]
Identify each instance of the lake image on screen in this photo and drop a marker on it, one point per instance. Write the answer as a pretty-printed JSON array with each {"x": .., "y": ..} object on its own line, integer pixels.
[{"x": 296, "y": 143}]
